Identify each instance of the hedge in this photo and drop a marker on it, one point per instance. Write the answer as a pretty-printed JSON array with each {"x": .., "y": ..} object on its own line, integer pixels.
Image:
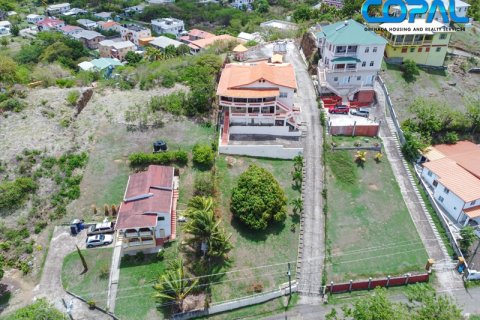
[{"x": 167, "y": 157}]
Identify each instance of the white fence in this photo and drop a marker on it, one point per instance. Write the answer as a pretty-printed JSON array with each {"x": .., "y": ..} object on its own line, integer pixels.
[
  {"x": 393, "y": 115},
  {"x": 264, "y": 151}
]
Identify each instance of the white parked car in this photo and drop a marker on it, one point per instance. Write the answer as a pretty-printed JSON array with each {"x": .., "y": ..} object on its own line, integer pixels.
[{"x": 99, "y": 240}]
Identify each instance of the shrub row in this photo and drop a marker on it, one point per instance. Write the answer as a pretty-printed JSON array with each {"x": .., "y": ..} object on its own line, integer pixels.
[{"x": 139, "y": 159}]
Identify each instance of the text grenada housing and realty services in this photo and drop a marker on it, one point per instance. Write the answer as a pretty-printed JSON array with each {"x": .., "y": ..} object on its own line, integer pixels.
[{"x": 418, "y": 29}]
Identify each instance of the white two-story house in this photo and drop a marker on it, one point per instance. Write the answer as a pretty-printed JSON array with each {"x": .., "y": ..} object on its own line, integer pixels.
[
  {"x": 168, "y": 25},
  {"x": 350, "y": 58},
  {"x": 258, "y": 99},
  {"x": 452, "y": 173}
]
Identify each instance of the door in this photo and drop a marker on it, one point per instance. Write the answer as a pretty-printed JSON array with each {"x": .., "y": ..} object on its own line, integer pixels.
[{"x": 161, "y": 233}]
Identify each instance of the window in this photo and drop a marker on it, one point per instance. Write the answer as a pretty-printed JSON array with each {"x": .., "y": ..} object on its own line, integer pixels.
[
  {"x": 446, "y": 190},
  {"x": 438, "y": 49},
  {"x": 429, "y": 173},
  {"x": 427, "y": 49},
  {"x": 420, "y": 49},
  {"x": 404, "y": 49},
  {"x": 412, "y": 49},
  {"x": 443, "y": 36},
  {"x": 435, "y": 183},
  {"x": 359, "y": 78},
  {"x": 283, "y": 94},
  {"x": 441, "y": 199},
  {"x": 473, "y": 202},
  {"x": 160, "y": 218},
  {"x": 371, "y": 63},
  {"x": 364, "y": 63},
  {"x": 374, "y": 49},
  {"x": 335, "y": 79},
  {"x": 367, "y": 49}
]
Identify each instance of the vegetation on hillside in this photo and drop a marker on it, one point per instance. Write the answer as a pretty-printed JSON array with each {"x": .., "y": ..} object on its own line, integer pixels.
[{"x": 40, "y": 309}]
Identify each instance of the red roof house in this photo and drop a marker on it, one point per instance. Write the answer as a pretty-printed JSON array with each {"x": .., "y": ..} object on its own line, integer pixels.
[
  {"x": 50, "y": 24},
  {"x": 147, "y": 216}
]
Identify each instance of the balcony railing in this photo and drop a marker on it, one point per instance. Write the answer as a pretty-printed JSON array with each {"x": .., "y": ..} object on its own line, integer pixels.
[
  {"x": 247, "y": 104},
  {"x": 259, "y": 115},
  {"x": 146, "y": 233},
  {"x": 131, "y": 234}
]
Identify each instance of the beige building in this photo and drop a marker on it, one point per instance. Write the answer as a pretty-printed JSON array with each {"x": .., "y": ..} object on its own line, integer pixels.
[{"x": 112, "y": 49}]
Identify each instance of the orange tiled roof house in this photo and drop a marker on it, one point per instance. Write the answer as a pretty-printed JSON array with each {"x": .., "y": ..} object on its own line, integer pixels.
[
  {"x": 147, "y": 216},
  {"x": 258, "y": 99},
  {"x": 452, "y": 172}
]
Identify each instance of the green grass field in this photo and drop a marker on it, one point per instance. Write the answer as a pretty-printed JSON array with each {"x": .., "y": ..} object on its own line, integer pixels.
[
  {"x": 92, "y": 285},
  {"x": 369, "y": 229},
  {"x": 278, "y": 244}
]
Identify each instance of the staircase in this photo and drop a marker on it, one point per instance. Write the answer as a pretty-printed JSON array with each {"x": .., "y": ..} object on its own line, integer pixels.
[
  {"x": 226, "y": 127},
  {"x": 173, "y": 221}
]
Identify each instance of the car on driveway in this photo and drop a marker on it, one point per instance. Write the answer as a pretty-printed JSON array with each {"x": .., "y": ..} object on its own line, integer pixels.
[
  {"x": 339, "y": 109},
  {"x": 99, "y": 240},
  {"x": 100, "y": 228},
  {"x": 361, "y": 112}
]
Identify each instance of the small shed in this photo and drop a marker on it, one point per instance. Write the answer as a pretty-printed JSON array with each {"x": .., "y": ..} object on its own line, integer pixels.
[{"x": 239, "y": 52}]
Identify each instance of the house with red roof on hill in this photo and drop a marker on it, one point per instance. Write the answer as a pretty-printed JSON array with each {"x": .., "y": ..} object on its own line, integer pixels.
[
  {"x": 452, "y": 173},
  {"x": 50, "y": 24},
  {"x": 147, "y": 216},
  {"x": 195, "y": 34}
]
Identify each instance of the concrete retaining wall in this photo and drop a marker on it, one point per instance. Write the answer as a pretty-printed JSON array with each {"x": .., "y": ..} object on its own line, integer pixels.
[
  {"x": 264, "y": 130},
  {"x": 265, "y": 151},
  {"x": 359, "y": 130}
]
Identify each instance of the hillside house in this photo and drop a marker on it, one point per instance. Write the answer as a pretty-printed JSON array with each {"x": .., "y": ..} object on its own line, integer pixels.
[
  {"x": 147, "y": 216},
  {"x": 57, "y": 9},
  {"x": 160, "y": 1},
  {"x": 168, "y": 25},
  {"x": 34, "y": 18},
  {"x": 452, "y": 172},
  {"x": 201, "y": 44},
  {"x": 425, "y": 43},
  {"x": 48, "y": 24},
  {"x": 70, "y": 30},
  {"x": 108, "y": 25},
  {"x": 163, "y": 42},
  {"x": 133, "y": 33},
  {"x": 103, "y": 15},
  {"x": 87, "y": 23},
  {"x": 115, "y": 49},
  {"x": 195, "y": 34},
  {"x": 350, "y": 59},
  {"x": 90, "y": 39},
  {"x": 242, "y": 3},
  {"x": 257, "y": 99}
]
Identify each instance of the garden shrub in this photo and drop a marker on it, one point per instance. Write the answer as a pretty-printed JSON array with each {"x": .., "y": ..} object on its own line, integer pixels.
[
  {"x": 12, "y": 104},
  {"x": 203, "y": 155},
  {"x": 167, "y": 157},
  {"x": 204, "y": 184},
  {"x": 14, "y": 193},
  {"x": 257, "y": 199}
]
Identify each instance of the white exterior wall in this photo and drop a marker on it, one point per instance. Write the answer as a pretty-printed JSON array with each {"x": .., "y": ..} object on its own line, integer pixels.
[
  {"x": 239, "y": 3},
  {"x": 266, "y": 151},
  {"x": 35, "y": 19},
  {"x": 288, "y": 101},
  {"x": 265, "y": 130},
  {"x": 165, "y": 225}
]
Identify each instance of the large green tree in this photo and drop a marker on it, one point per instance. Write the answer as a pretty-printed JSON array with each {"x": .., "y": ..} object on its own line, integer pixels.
[
  {"x": 258, "y": 199},
  {"x": 468, "y": 238}
]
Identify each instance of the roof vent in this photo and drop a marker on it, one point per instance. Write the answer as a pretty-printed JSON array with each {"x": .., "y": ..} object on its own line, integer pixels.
[{"x": 346, "y": 22}]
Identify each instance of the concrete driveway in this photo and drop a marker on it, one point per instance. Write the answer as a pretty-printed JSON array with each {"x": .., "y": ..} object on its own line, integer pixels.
[{"x": 50, "y": 286}]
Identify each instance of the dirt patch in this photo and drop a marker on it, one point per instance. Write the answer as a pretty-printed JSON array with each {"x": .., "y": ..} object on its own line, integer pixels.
[{"x": 373, "y": 186}]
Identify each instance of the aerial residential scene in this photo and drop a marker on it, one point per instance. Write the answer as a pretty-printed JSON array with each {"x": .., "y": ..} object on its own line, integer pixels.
[{"x": 239, "y": 159}]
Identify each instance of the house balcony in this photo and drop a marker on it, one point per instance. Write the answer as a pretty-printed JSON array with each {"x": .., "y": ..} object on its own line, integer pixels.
[
  {"x": 138, "y": 243},
  {"x": 247, "y": 103},
  {"x": 142, "y": 232},
  {"x": 345, "y": 53}
]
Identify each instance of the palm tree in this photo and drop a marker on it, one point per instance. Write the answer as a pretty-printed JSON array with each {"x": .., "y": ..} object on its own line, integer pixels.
[
  {"x": 298, "y": 161},
  {"x": 153, "y": 54},
  {"x": 297, "y": 178},
  {"x": 297, "y": 205},
  {"x": 173, "y": 287},
  {"x": 361, "y": 156},
  {"x": 204, "y": 228}
]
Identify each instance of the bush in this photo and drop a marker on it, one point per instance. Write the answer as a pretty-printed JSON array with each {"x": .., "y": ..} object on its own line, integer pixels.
[
  {"x": 258, "y": 199},
  {"x": 12, "y": 104},
  {"x": 72, "y": 97},
  {"x": 450, "y": 138},
  {"x": 410, "y": 70},
  {"x": 65, "y": 83},
  {"x": 168, "y": 80},
  {"x": 167, "y": 157},
  {"x": 203, "y": 155},
  {"x": 104, "y": 271},
  {"x": 40, "y": 309},
  {"x": 14, "y": 193},
  {"x": 204, "y": 184}
]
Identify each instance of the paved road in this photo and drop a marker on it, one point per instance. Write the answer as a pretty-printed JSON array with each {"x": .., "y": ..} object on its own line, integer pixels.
[
  {"x": 446, "y": 278},
  {"x": 312, "y": 242},
  {"x": 50, "y": 286}
]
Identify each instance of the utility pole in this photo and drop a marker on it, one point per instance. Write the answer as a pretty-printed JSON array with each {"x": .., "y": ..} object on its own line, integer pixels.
[{"x": 289, "y": 274}]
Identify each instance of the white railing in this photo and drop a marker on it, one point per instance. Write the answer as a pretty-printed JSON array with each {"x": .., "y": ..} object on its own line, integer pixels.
[{"x": 247, "y": 104}]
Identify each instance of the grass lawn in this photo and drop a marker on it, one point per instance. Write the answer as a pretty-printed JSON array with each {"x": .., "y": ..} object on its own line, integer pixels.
[
  {"x": 278, "y": 244},
  {"x": 135, "y": 291},
  {"x": 369, "y": 229},
  {"x": 92, "y": 285}
]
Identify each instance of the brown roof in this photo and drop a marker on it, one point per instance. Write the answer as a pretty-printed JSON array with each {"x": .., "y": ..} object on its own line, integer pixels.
[
  {"x": 455, "y": 149},
  {"x": 473, "y": 212},
  {"x": 240, "y": 48},
  {"x": 200, "y": 34},
  {"x": 455, "y": 178},
  {"x": 109, "y": 24},
  {"x": 470, "y": 161},
  {"x": 235, "y": 76},
  {"x": 147, "y": 193},
  {"x": 203, "y": 43}
]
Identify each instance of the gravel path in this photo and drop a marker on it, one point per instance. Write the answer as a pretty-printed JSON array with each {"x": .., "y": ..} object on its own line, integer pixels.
[
  {"x": 312, "y": 244},
  {"x": 50, "y": 286}
]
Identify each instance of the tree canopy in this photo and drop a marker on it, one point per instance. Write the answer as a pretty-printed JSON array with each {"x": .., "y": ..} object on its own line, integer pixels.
[{"x": 258, "y": 199}]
